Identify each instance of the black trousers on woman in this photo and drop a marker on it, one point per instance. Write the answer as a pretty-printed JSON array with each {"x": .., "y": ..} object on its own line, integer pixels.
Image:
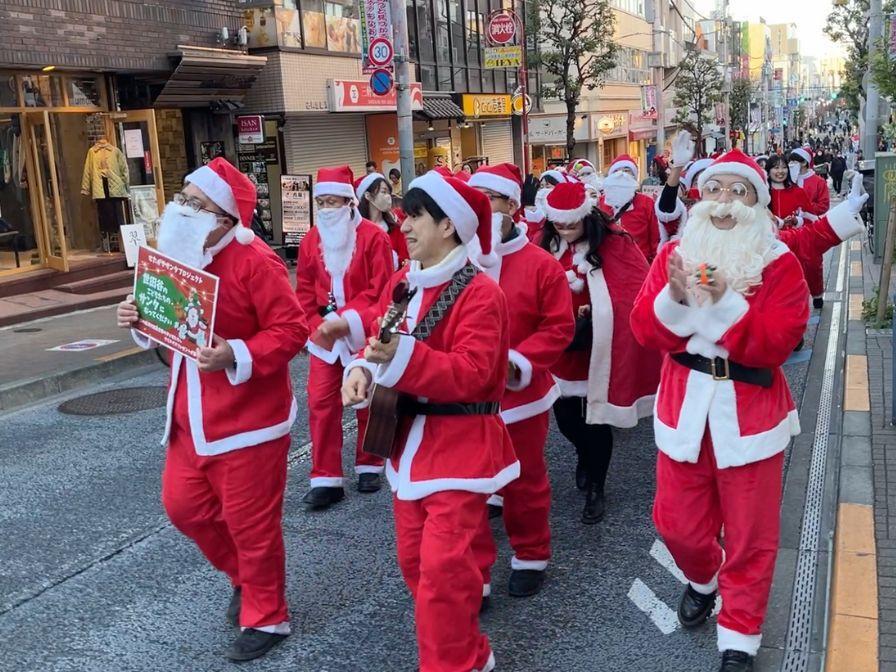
[{"x": 594, "y": 443}]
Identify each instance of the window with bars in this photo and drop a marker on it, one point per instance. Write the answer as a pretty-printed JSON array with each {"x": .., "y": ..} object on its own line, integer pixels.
[{"x": 631, "y": 67}]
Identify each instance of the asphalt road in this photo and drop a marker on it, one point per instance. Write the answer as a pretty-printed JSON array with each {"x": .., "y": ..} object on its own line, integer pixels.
[{"x": 92, "y": 576}]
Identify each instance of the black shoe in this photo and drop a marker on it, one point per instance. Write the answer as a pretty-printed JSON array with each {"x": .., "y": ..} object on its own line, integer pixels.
[
  {"x": 233, "y": 610},
  {"x": 595, "y": 506},
  {"x": 495, "y": 511},
  {"x": 818, "y": 303},
  {"x": 486, "y": 604},
  {"x": 581, "y": 476},
  {"x": 695, "y": 608},
  {"x": 252, "y": 644},
  {"x": 323, "y": 498},
  {"x": 799, "y": 346},
  {"x": 369, "y": 482},
  {"x": 525, "y": 582},
  {"x": 736, "y": 661}
]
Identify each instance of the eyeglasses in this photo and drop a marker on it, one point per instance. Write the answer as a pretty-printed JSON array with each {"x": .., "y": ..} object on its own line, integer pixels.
[
  {"x": 712, "y": 190},
  {"x": 196, "y": 205},
  {"x": 496, "y": 197}
]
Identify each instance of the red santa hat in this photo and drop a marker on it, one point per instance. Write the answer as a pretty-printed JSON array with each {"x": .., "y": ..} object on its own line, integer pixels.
[
  {"x": 335, "y": 181},
  {"x": 461, "y": 175},
  {"x": 805, "y": 154},
  {"x": 736, "y": 163},
  {"x": 503, "y": 178},
  {"x": 567, "y": 203},
  {"x": 444, "y": 171},
  {"x": 692, "y": 170},
  {"x": 576, "y": 166},
  {"x": 363, "y": 184},
  {"x": 468, "y": 209},
  {"x": 623, "y": 161},
  {"x": 231, "y": 191}
]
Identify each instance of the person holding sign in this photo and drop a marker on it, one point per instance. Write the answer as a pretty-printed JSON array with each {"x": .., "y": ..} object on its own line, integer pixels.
[{"x": 230, "y": 410}]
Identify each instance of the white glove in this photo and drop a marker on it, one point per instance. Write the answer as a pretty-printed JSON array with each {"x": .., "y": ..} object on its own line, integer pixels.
[
  {"x": 856, "y": 198},
  {"x": 682, "y": 149}
]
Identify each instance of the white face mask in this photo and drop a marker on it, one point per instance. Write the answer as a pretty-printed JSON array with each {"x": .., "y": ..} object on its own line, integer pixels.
[
  {"x": 382, "y": 202},
  {"x": 795, "y": 169},
  {"x": 183, "y": 233}
]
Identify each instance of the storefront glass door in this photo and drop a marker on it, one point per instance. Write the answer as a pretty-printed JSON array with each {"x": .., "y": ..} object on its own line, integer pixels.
[
  {"x": 45, "y": 194},
  {"x": 136, "y": 135}
]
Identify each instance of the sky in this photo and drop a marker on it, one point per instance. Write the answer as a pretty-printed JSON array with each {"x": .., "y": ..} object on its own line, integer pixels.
[{"x": 808, "y": 15}]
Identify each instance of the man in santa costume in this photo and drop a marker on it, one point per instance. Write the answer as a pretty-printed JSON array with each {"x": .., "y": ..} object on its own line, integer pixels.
[
  {"x": 635, "y": 213},
  {"x": 625, "y": 163},
  {"x": 452, "y": 449},
  {"x": 541, "y": 326},
  {"x": 727, "y": 305},
  {"x": 344, "y": 263},
  {"x": 585, "y": 172},
  {"x": 816, "y": 188},
  {"x": 229, "y": 413}
]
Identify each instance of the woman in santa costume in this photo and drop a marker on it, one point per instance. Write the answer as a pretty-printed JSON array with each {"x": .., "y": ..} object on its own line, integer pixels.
[
  {"x": 452, "y": 449},
  {"x": 788, "y": 202},
  {"x": 606, "y": 378},
  {"x": 229, "y": 413},
  {"x": 816, "y": 189},
  {"x": 726, "y": 305},
  {"x": 541, "y": 326},
  {"x": 635, "y": 213},
  {"x": 533, "y": 216},
  {"x": 374, "y": 194},
  {"x": 344, "y": 263}
]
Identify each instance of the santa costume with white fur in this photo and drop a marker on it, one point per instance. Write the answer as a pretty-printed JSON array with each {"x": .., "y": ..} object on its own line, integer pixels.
[
  {"x": 816, "y": 188},
  {"x": 634, "y": 211},
  {"x": 228, "y": 431},
  {"x": 721, "y": 439},
  {"x": 445, "y": 466},
  {"x": 541, "y": 326},
  {"x": 339, "y": 279}
]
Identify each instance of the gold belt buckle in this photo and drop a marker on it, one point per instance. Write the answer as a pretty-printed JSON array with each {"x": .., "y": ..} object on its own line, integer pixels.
[{"x": 715, "y": 374}]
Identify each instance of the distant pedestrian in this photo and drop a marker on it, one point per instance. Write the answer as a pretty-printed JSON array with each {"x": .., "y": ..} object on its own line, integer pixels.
[
  {"x": 370, "y": 167},
  {"x": 838, "y": 167}
]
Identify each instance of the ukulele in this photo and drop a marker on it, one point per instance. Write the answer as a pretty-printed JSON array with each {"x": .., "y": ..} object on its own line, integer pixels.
[{"x": 383, "y": 419}]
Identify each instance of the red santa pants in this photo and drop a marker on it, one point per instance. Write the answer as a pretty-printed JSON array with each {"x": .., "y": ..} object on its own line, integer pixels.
[
  {"x": 325, "y": 419},
  {"x": 813, "y": 269},
  {"x": 434, "y": 537},
  {"x": 527, "y": 503},
  {"x": 231, "y": 505},
  {"x": 693, "y": 503}
]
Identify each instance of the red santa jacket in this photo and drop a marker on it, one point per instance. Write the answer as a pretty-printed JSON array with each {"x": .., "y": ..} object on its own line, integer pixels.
[
  {"x": 788, "y": 201},
  {"x": 640, "y": 222},
  {"x": 464, "y": 360},
  {"x": 617, "y": 376},
  {"x": 534, "y": 221},
  {"x": 355, "y": 291},
  {"x": 259, "y": 316},
  {"x": 541, "y": 323},
  {"x": 747, "y": 422},
  {"x": 399, "y": 245},
  {"x": 816, "y": 188}
]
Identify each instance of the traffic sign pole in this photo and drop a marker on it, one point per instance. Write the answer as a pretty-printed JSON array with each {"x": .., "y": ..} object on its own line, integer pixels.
[
  {"x": 403, "y": 91},
  {"x": 524, "y": 90}
]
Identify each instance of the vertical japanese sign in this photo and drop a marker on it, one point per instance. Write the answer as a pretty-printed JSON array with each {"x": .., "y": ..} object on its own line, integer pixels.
[
  {"x": 648, "y": 102},
  {"x": 296, "y": 194},
  {"x": 176, "y": 302},
  {"x": 376, "y": 26}
]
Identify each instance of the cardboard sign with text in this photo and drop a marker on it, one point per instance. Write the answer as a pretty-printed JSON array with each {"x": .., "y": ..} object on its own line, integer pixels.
[{"x": 176, "y": 302}]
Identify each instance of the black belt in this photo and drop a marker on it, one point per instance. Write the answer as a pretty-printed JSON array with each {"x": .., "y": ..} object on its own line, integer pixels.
[
  {"x": 409, "y": 406},
  {"x": 724, "y": 369}
]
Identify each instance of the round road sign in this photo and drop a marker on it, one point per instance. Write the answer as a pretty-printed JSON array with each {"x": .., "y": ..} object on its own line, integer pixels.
[
  {"x": 501, "y": 28},
  {"x": 380, "y": 52},
  {"x": 381, "y": 82}
]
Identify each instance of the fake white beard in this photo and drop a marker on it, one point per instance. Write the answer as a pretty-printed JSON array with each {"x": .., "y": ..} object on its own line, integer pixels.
[
  {"x": 337, "y": 238},
  {"x": 618, "y": 195},
  {"x": 592, "y": 180},
  {"x": 741, "y": 253},
  {"x": 183, "y": 233}
]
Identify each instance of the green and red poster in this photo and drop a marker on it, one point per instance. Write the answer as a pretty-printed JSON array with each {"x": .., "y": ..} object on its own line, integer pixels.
[{"x": 176, "y": 302}]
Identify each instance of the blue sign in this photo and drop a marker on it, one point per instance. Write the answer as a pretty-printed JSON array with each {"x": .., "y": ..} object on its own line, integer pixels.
[{"x": 381, "y": 82}]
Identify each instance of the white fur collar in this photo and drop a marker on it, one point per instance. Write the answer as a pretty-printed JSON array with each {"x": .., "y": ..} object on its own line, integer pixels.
[
  {"x": 441, "y": 272},
  {"x": 515, "y": 244}
]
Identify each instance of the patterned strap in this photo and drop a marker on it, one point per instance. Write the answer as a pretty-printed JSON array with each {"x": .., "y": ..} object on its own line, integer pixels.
[{"x": 442, "y": 304}]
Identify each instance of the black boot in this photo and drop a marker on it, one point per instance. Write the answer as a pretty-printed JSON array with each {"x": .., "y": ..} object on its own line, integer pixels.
[
  {"x": 595, "y": 505},
  {"x": 495, "y": 511},
  {"x": 695, "y": 608},
  {"x": 525, "y": 582},
  {"x": 323, "y": 498},
  {"x": 369, "y": 482},
  {"x": 252, "y": 644},
  {"x": 233, "y": 610},
  {"x": 818, "y": 303},
  {"x": 736, "y": 661}
]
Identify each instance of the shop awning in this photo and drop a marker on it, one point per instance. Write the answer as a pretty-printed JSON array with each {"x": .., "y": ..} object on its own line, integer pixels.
[
  {"x": 440, "y": 107},
  {"x": 210, "y": 77}
]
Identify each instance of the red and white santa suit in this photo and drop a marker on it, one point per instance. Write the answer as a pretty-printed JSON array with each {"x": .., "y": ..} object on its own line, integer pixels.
[
  {"x": 634, "y": 212},
  {"x": 447, "y": 465},
  {"x": 348, "y": 281},
  {"x": 721, "y": 441},
  {"x": 819, "y": 196},
  {"x": 396, "y": 237},
  {"x": 541, "y": 326},
  {"x": 671, "y": 219},
  {"x": 227, "y": 431}
]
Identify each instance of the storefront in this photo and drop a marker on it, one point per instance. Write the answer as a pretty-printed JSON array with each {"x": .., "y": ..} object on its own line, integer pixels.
[
  {"x": 642, "y": 141},
  {"x": 488, "y": 121},
  {"x": 612, "y": 133},
  {"x": 71, "y": 170},
  {"x": 547, "y": 137}
]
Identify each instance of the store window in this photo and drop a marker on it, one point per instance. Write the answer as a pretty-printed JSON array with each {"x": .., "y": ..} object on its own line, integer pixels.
[
  {"x": 474, "y": 30},
  {"x": 343, "y": 26},
  {"x": 425, "y": 33},
  {"x": 42, "y": 91},
  {"x": 428, "y": 77},
  {"x": 630, "y": 6},
  {"x": 314, "y": 24},
  {"x": 443, "y": 44},
  {"x": 8, "y": 91}
]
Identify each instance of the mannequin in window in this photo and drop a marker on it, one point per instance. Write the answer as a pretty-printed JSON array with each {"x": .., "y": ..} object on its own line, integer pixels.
[{"x": 106, "y": 181}]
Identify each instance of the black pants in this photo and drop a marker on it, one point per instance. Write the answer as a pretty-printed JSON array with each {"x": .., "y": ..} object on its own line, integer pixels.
[
  {"x": 594, "y": 443},
  {"x": 838, "y": 182}
]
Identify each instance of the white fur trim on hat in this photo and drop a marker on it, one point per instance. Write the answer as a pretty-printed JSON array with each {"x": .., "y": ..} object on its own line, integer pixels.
[
  {"x": 568, "y": 216},
  {"x": 216, "y": 188},
  {"x": 619, "y": 165},
  {"x": 739, "y": 170},
  {"x": 693, "y": 169},
  {"x": 802, "y": 153},
  {"x": 343, "y": 189},
  {"x": 452, "y": 203},
  {"x": 554, "y": 174},
  {"x": 244, "y": 235},
  {"x": 496, "y": 183},
  {"x": 367, "y": 182}
]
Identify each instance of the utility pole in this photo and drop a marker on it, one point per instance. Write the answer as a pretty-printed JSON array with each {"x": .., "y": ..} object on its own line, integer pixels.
[
  {"x": 403, "y": 91},
  {"x": 872, "y": 99},
  {"x": 659, "y": 77}
]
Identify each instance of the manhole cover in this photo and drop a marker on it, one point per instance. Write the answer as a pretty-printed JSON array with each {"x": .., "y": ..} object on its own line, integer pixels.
[
  {"x": 27, "y": 330},
  {"x": 113, "y": 402}
]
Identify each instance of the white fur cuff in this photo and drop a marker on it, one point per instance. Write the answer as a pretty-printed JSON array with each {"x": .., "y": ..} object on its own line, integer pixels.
[
  {"x": 736, "y": 641},
  {"x": 676, "y": 317},
  {"x": 356, "y": 339},
  {"x": 242, "y": 370},
  {"x": 843, "y": 222},
  {"x": 389, "y": 374},
  {"x": 666, "y": 217},
  {"x": 715, "y": 320},
  {"x": 525, "y": 367}
]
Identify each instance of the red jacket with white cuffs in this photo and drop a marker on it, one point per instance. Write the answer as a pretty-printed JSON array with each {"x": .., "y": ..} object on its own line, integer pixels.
[{"x": 640, "y": 222}]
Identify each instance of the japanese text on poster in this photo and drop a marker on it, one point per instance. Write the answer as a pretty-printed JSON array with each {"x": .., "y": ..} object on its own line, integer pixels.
[{"x": 296, "y": 194}]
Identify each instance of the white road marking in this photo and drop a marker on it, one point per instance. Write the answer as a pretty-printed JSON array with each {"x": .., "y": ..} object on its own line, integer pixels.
[
  {"x": 646, "y": 600},
  {"x": 661, "y": 554}
]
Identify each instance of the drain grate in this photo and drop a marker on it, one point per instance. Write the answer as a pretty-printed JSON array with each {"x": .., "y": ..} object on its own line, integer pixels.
[{"x": 114, "y": 402}]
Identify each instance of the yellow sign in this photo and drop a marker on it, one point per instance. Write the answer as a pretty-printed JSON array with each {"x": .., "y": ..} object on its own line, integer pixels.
[
  {"x": 504, "y": 57},
  {"x": 486, "y": 105}
]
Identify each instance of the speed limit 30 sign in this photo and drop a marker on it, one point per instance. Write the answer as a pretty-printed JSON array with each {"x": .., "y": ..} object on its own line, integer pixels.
[{"x": 381, "y": 52}]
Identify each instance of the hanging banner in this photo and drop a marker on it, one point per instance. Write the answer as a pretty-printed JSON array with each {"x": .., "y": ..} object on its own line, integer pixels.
[
  {"x": 376, "y": 35},
  {"x": 296, "y": 194},
  {"x": 648, "y": 102},
  {"x": 176, "y": 302}
]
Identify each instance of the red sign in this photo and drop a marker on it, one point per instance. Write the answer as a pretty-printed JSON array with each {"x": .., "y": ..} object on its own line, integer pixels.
[
  {"x": 381, "y": 52},
  {"x": 250, "y": 130},
  {"x": 176, "y": 302},
  {"x": 501, "y": 28},
  {"x": 357, "y": 96}
]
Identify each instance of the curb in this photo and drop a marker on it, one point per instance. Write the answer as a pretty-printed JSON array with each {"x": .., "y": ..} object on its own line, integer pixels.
[{"x": 23, "y": 393}]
